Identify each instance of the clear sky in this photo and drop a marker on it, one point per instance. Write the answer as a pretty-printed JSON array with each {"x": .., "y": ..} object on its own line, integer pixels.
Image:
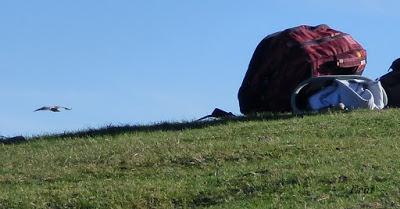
[{"x": 141, "y": 62}]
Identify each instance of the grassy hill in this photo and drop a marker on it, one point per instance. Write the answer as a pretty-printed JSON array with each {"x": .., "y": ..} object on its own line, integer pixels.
[{"x": 333, "y": 160}]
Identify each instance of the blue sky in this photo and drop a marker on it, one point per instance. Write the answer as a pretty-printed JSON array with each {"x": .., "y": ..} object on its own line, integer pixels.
[{"x": 142, "y": 62}]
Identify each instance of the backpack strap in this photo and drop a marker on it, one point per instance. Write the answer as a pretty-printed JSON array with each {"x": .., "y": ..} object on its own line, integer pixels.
[
  {"x": 218, "y": 113},
  {"x": 395, "y": 65}
]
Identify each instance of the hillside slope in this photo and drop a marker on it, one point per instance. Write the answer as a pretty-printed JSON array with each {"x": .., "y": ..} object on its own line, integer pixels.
[{"x": 333, "y": 160}]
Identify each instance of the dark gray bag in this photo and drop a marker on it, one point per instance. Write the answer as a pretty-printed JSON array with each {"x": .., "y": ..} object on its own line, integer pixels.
[{"x": 391, "y": 83}]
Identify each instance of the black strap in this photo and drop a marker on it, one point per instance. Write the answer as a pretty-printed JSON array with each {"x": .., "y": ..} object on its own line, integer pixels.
[
  {"x": 395, "y": 65},
  {"x": 218, "y": 113}
]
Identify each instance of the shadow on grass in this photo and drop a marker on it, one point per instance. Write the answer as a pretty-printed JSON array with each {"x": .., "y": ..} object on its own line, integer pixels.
[{"x": 112, "y": 130}]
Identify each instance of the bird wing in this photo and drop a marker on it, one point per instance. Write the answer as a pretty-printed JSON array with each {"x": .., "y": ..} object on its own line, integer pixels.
[
  {"x": 42, "y": 108},
  {"x": 66, "y": 108}
]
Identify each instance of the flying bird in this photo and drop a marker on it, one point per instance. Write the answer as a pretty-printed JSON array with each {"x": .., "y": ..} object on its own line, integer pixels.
[{"x": 53, "y": 108}]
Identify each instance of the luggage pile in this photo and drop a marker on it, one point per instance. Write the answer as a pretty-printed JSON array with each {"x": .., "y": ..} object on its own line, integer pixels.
[{"x": 309, "y": 68}]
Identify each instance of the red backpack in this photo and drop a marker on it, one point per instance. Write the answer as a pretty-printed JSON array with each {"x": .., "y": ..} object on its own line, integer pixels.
[{"x": 283, "y": 60}]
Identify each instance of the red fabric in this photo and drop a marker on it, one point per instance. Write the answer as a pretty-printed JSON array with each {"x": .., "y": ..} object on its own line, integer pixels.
[{"x": 324, "y": 44}]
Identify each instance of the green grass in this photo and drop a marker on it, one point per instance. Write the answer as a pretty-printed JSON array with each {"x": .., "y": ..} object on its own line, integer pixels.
[{"x": 333, "y": 160}]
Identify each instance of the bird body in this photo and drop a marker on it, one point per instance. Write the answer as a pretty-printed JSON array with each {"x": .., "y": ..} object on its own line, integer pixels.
[{"x": 55, "y": 108}]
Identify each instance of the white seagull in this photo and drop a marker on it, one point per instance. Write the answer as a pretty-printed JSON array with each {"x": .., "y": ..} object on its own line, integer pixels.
[{"x": 53, "y": 108}]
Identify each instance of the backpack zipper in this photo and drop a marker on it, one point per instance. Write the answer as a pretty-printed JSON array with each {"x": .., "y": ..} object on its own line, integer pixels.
[{"x": 324, "y": 39}]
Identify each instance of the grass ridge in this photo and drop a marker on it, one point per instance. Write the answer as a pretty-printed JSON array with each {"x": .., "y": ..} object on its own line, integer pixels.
[{"x": 331, "y": 160}]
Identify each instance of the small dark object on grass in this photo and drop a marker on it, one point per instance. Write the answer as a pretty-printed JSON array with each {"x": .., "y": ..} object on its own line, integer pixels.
[
  {"x": 12, "y": 140},
  {"x": 343, "y": 178}
]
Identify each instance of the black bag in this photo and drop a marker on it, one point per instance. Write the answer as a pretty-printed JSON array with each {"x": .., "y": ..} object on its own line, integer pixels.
[{"x": 391, "y": 83}]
